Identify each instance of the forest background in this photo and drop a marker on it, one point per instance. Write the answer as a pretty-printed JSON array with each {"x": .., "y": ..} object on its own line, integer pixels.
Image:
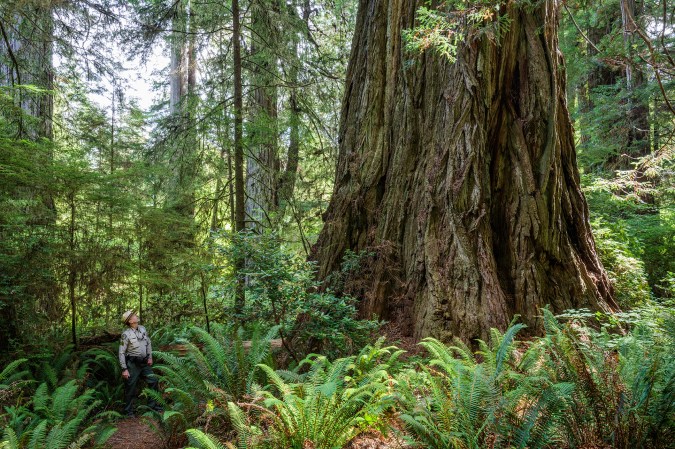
[
  {"x": 106, "y": 206},
  {"x": 203, "y": 208}
]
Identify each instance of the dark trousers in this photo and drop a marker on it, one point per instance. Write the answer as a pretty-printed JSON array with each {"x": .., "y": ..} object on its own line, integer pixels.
[{"x": 138, "y": 369}]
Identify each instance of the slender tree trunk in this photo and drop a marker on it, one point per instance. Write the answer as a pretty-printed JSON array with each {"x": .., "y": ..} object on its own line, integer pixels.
[
  {"x": 239, "y": 196},
  {"x": 461, "y": 180},
  {"x": 204, "y": 290},
  {"x": 638, "y": 143},
  {"x": 72, "y": 271},
  {"x": 177, "y": 67},
  {"x": 287, "y": 181},
  {"x": 262, "y": 162}
]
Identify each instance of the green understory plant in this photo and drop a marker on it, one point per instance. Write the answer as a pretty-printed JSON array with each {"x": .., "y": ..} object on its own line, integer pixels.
[
  {"x": 466, "y": 400},
  {"x": 215, "y": 368},
  {"x": 325, "y": 406},
  {"x": 624, "y": 383},
  {"x": 63, "y": 417},
  {"x": 281, "y": 290}
]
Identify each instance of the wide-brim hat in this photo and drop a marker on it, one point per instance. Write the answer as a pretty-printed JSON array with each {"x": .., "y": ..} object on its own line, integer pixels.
[{"x": 126, "y": 316}]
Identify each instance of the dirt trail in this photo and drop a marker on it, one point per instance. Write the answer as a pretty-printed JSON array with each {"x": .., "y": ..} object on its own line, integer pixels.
[{"x": 136, "y": 432}]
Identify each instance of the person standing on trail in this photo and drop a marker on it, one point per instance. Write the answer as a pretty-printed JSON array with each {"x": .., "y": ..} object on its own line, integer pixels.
[{"x": 135, "y": 356}]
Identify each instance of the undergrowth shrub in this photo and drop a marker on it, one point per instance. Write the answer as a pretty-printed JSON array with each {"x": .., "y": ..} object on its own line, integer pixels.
[
  {"x": 635, "y": 238},
  {"x": 578, "y": 386},
  {"x": 281, "y": 289},
  {"x": 624, "y": 383},
  {"x": 103, "y": 375},
  {"x": 321, "y": 404}
]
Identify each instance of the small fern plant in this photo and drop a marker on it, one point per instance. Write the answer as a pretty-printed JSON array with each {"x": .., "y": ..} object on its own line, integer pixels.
[{"x": 625, "y": 385}]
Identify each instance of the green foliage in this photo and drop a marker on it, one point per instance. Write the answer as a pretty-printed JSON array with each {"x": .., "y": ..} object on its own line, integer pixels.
[
  {"x": 281, "y": 289},
  {"x": 101, "y": 371},
  {"x": 623, "y": 393},
  {"x": 467, "y": 401},
  {"x": 11, "y": 374},
  {"x": 574, "y": 387},
  {"x": 63, "y": 417},
  {"x": 200, "y": 440},
  {"x": 326, "y": 408},
  {"x": 215, "y": 367},
  {"x": 624, "y": 137},
  {"x": 635, "y": 239},
  {"x": 443, "y": 27}
]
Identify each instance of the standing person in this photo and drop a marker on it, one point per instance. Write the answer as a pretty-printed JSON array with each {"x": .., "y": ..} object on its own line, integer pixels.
[{"x": 135, "y": 356}]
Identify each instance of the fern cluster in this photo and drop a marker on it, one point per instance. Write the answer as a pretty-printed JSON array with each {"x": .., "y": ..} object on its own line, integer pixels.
[
  {"x": 215, "y": 369},
  {"x": 55, "y": 409},
  {"x": 624, "y": 385},
  {"x": 574, "y": 387},
  {"x": 321, "y": 404},
  {"x": 56, "y": 418},
  {"x": 486, "y": 399}
]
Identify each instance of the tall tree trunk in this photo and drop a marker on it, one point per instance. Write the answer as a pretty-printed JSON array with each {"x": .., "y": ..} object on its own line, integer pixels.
[
  {"x": 638, "y": 143},
  {"x": 26, "y": 58},
  {"x": 239, "y": 196},
  {"x": 182, "y": 108},
  {"x": 461, "y": 179},
  {"x": 262, "y": 162},
  {"x": 177, "y": 64},
  {"x": 288, "y": 177}
]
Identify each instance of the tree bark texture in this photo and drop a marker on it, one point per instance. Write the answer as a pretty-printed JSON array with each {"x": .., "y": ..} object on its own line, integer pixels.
[
  {"x": 460, "y": 180},
  {"x": 239, "y": 210},
  {"x": 638, "y": 142},
  {"x": 262, "y": 161}
]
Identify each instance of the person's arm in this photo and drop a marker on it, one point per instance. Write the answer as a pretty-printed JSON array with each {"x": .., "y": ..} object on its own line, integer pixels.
[
  {"x": 149, "y": 347},
  {"x": 124, "y": 342}
]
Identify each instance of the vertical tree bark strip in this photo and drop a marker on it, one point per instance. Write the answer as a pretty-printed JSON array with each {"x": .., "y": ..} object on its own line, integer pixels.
[
  {"x": 262, "y": 163},
  {"x": 72, "y": 270},
  {"x": 462, "y": 179},
  {"x": 239, "y": 199}
]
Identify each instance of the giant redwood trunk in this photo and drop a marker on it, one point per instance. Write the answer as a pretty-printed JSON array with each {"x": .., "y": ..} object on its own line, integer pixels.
[{"x": 460, "y": 179}]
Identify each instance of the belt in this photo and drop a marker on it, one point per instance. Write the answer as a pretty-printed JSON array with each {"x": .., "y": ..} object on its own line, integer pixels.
[{"x": 137, "y": 359}]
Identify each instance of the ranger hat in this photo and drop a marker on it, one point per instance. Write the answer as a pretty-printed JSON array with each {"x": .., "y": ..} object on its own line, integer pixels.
[{"x": 126, "y": 316}]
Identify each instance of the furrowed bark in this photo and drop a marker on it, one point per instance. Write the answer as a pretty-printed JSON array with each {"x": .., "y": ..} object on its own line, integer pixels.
[{"x": 461, "y": 179}]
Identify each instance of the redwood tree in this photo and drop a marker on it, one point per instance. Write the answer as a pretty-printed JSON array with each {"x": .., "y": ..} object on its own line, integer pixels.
[{"x": 460, "y": 179}]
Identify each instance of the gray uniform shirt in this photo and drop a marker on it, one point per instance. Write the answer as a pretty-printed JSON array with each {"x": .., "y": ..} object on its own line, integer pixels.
[{"x": 134, "y": 342}]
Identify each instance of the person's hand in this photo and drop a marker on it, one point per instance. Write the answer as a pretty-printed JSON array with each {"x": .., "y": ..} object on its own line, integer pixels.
[
  {"x": 150, "y": 361},
  {"x": 125, "y": 374}
]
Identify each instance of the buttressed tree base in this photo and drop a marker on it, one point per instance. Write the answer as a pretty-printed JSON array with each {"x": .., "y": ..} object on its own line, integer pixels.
[{"x": 461, "y": 178}]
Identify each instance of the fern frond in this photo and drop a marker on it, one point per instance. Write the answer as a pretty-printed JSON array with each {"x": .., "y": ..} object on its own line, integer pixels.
[
  {"x": 38, "y": 435},
  {"x": 10, "y": 373},
  {"x": 201, "y": 440},
  {"x": 505, "y": 345},
  {"x": 10, "y": 440}
]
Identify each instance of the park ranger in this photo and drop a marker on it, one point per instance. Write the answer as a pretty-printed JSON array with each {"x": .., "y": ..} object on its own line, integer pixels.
[{"x": 135, "y": 356}]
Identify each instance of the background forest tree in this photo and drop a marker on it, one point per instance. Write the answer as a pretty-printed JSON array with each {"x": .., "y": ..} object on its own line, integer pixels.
[{"x": 132, "y": 198}]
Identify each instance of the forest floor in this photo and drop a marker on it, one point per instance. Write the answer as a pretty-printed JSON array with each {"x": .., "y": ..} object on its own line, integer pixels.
[
  {"x": 144, "y": 432},
  {"x": 136, "y": 432}
]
